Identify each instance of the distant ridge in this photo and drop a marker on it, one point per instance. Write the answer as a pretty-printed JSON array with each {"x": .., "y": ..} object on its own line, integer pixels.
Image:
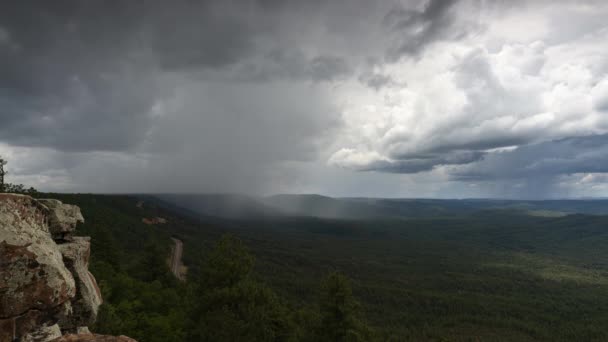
[
  {"x": 221, "y": 205},
  {"x": 323, "y": 206},
  {"x": 237, "y": 206}
]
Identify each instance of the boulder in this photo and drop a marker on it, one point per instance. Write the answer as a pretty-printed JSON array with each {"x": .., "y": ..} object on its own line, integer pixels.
[
  {"x": 93, "y": 338},
  {"x": 45, "y": 285},
  {"x": 63, "y": 218},
  {"x": 83, "y": 330},
  {"x": 33, "y": 276},
  {"x": 43, "y": 333},
  {"x": 86, "y": 303}
]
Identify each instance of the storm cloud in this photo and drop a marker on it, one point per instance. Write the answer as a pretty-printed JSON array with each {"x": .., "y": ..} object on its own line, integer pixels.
[
  {"x": 203, "y": 91},
  {"x": 270, "y": 96}
]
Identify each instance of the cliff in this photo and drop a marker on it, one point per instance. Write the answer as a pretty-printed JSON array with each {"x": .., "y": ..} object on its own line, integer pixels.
[{"x": 46, "y": 290}]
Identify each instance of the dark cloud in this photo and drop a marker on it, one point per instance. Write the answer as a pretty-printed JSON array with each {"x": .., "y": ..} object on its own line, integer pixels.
[
  {"x": 325, "y": 68},
  {"x": 377, "y": 81},
  {"x": 286, "y": 65},
  {"x": 72, "y": 76},
  {"x": 409, "y": 165},
  {"x": 86, "y": 75},
  {"x": 207, "y": 34},
  {"x": 223, "y": 94},
  {"x": 599, "y": 95},
  {"x": 414, "y": 29},
  {"x": 426, "y": 163},
  {"x": 140, "y": 83},
  {"x": 546, "y": 160}
]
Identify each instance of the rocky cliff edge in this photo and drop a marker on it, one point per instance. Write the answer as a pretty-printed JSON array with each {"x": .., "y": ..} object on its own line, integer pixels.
[{"x": 46, "y": 290}]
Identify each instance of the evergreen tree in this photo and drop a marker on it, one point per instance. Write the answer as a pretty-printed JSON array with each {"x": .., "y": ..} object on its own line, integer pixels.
[
  {"x": 105, "y": 249},
  {"x": 153, "y": 263},
  {"x": 2, "y": 174},
  {"x": 340, "y": 314},
  {"x": 228, "y": 264},
  {"x": 231, "y": 305}
]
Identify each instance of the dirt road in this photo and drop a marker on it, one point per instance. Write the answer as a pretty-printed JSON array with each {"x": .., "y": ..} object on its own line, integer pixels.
[{"x": 176, "y": 259}]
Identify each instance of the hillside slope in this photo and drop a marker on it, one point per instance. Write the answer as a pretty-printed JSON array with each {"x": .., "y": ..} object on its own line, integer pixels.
[{"x": 491, "y": 274}]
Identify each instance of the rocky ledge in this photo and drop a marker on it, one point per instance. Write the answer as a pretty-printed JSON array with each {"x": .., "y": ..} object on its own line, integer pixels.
[
  {"x": 93, "y": 338},
  {"x": 46, "y": 290}
]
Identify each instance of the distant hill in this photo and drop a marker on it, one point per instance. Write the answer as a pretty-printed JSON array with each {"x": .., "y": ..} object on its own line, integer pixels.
[
  {"x": 220, "y": 205},
  {"x": 312, "y": 205},
  {"x": 324, "y": 207},
  {"x": 357, "y": 208}
]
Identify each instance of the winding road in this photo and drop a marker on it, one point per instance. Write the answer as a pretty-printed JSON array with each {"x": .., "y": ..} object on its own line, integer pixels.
[{"x": 176, "y": 259}]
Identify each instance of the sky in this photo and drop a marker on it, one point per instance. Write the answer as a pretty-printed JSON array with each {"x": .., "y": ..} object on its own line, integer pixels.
[{"x": 428, "y": 98}]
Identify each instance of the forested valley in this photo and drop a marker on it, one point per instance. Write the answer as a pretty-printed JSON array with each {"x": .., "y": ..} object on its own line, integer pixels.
[{"x": 488, "y": 275}]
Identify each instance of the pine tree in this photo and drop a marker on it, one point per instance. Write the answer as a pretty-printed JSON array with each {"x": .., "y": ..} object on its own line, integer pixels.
[
  {"x": 340, "y": 314},
  {"x": 153, "y": 265},
  {"x": 2, "y": 173},
  {"x": 232, "y": 306}
]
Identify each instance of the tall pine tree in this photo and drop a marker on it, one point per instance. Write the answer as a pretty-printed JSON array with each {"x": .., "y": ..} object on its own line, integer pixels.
[
  {"x": 232, "y": 306},
  {"x": 340, "y": 314}
]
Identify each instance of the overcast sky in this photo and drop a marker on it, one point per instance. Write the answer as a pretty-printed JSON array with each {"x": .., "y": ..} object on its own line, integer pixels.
[{"x": 340, "y": 97}]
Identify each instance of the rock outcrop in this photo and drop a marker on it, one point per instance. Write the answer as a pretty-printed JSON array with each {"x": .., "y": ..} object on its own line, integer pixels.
[
  {"x": 93, "y": 338},
  {"x": 46, "y": 289},
  {"x": 88, "y": 297},
  {"x": 63, "y": 218}
]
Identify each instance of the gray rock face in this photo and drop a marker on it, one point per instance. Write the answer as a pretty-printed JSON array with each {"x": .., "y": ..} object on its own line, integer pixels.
[
  {"x": 32, "y": 273},
  {"x": 44, "y": 333},
  {"x": 63, "y": 218},
  {"x": 88, "y": 297},
  {"x": 93, "y": 338},
  {"x": 45, "y": 285}
]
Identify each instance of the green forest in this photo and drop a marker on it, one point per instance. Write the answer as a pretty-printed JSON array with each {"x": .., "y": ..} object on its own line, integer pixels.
[
  {"x": 492, "y": 275},
  {"x": 224, "y": 300}
]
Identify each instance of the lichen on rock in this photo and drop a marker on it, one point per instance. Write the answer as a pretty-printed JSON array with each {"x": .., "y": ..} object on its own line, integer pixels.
[
  {"x": 93, "y": 338},
  {"x": 63, "y": 218},
  {"x": 45, "y": 286},
  {"x": 32, "y": 273},
  {"x": 88, "y": 297}
]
